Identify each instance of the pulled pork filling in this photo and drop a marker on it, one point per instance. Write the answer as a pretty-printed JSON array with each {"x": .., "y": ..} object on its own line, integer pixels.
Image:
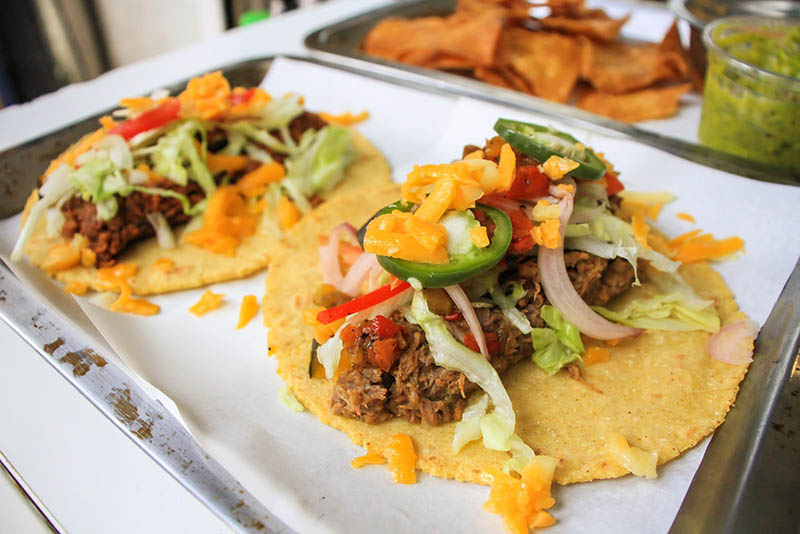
[
  {"x": 393, "y": 373},
  {"x": 108, "y": 239}
]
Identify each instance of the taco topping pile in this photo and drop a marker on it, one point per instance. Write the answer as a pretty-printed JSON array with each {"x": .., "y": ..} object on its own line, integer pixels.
[
  {"x": 240, "y": 158},
  {"x": 510, "y": 253}
]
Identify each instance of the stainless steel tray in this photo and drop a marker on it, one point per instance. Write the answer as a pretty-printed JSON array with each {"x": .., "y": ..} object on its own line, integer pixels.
[
  {"x": 758, "y": 439},
  {"x": 341, "y": 43}
]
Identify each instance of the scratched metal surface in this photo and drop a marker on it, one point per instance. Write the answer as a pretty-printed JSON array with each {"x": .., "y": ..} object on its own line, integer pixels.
[{"x": 151, "y": 426}]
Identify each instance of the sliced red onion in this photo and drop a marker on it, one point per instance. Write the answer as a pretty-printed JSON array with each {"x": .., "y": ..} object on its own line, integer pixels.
[
  {"x": 462, "y": 302},
  {"x": 501, "y": 202},
  {"x": 561, "y": 293},
  {"x": 329, "y": 255},
  {"x": 352, "y": 282},
  {"x": 733, "y": 343}
]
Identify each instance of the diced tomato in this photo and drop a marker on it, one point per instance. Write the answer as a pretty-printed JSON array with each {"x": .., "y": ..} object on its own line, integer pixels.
[
  {"x": 383, "y": 353},
  {"x": 363, "y": 302},
  {"x": 529, "y": 183},
  {"x": 349, "y": 335},
  {"x": 382, "y": 328},
  {"x": 520, "y": 224},
  {"x": 521, "y": 245},
  {"x": 237, "y": 98},
  {"x": 613, "y": 185},
  {"x": 163, "y": 114},
  {"x": 492, "y": 342}
]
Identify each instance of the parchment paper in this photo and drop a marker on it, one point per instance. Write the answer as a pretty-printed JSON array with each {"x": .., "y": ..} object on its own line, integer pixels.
[{"x": 225, "y": 386}]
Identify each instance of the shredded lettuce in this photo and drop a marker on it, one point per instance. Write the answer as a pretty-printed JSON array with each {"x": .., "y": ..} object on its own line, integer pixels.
[
  {"x": 521, "y": 454},
  {"x": 320, "y": 160},
  {"x": 176, "y": 158},
  {"x": 611, "y": 237},
  {"x": 508, "y": 305},
  {"x": 558, "y": 345},
  {"x": 497, "y": 427},
  {"x": 269, "y": 221},
  {"x": 289, "y": 400},
  {"x": 676, "y": 306},
  {"x": 279, "y": 112},
  {"x": 261, "y": 135},
  {"x": 469, "y": 428},
  {"x": 236, "y": 143}
]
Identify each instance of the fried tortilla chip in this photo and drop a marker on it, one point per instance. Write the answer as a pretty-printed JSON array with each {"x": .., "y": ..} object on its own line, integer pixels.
[
  {"x": 548, "y": 62},
  {"x": 642, "y": 105},
  {"x": 597, "y": 26},
  {"x": 662, "y": 390},
  {"x": 619, "y": 68},
  {"x": 672, "y": 43},
  {"x": 192, "y": 266},
  {"x": 418, "y": 41}
]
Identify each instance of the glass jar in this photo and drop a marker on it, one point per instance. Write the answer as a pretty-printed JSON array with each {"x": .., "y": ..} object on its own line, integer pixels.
[{"x": 751, "y": 101}]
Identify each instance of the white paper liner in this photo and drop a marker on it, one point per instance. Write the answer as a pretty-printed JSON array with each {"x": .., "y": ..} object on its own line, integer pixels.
[{"x": 226, "y": 387}]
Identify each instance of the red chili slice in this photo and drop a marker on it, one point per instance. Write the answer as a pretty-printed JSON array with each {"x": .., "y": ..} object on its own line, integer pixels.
[
  {"x": 166, "y": 112},
  {"x": 369, "y": 300}
]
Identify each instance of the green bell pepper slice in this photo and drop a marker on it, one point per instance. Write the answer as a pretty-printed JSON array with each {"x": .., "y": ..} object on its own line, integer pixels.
[{"x": 541, "y": 142}]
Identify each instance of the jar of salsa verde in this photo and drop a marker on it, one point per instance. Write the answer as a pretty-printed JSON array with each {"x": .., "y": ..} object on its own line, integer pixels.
[{"x": 751, "y": 101}]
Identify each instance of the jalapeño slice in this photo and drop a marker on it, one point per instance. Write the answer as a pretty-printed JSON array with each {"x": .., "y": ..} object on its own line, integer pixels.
[
  {"x": 460, "y": 267},
  {"x": 541, "y": 142}
]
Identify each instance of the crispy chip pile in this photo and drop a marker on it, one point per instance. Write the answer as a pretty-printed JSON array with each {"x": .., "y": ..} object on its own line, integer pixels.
[{"x": 573, "y": 55}]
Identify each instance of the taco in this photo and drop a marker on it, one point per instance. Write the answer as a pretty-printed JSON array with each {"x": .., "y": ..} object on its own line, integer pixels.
[
  {"x": 498, "y": 330},
  {"x": 189, "y": 190}
]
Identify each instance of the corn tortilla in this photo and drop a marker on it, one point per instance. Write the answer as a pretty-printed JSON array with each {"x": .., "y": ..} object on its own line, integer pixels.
[
  {"x": 195, "y": 266},
  {"x": 662, "y": 391}
]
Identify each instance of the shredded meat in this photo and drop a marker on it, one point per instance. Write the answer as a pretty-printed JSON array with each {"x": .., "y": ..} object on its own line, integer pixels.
[
  {"x": 108, "y": 239},
  {"x": 417, "y": 389}
]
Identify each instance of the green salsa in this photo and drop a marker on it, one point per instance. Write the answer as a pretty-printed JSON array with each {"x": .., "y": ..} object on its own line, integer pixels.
[{"x": 746, "y": 111}]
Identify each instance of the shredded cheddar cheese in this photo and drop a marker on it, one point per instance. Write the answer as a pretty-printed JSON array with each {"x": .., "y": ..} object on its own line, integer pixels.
[
  {"x": 475, "y": 154},
  {"x": 695, "y": 246},
  {"x": 163, "y": 265},
  {"x": 88, "y": 257},
  {"x": 521, "y": 502},
  {"x": 346, "y": 118},
  {"x": 76, "y": 287},
  {"x": 433, "y": 207},
  {"x": 507, "y": 167},
  {"x": 225, "y": 223},
  {"x": 394, "y": 234},
  {"x": 247, "y": 310},
  {"x": 639, "y": 462},
  {"x": 479, "y": 236},
  {"x": 370, "y": 458},
  {"x": 288, "y": 214},
  {"x": 322, "y": 332},
  {"x": 206, "y": 97},
  {"x": 208, "y": 302},
  {"x": 568, "y": 188},
  {"x": 640, "y": 228},
  {"x": 116, "y": 278},
  {"x": 547, "y": 234},
  {"x": 686, "y": 217},
  {"x": 595, "y": 355},
  {"x": 255, "y": 183},
  {"x": 225, "y": 163},
  {"x": 402, "y": 459},
  {"x": 107, "y": 122},
  {"x": 61, "y": 257},
  {"x": 557, "y": 167}
]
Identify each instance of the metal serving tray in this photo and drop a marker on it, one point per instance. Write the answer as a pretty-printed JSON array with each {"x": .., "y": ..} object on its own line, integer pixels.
[
  {"x": 341, "y": 43},
  {"x": 750, "y": 451}
]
